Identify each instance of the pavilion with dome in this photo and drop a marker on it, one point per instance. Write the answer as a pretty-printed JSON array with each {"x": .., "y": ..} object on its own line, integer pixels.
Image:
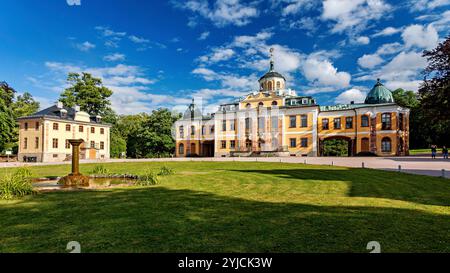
[{"x": 275, "y": 121}]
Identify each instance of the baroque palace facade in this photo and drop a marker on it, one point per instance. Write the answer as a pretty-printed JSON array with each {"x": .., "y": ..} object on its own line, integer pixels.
[
  {"x": 275, "y": 121},
  {"x": 44, "y": 136}
]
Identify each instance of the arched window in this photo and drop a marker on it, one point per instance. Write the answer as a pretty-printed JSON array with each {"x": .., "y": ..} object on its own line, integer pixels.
[
  {"x": 270, "y": 85},
  {"x": 278, "y": 85},
  {"x": 386, "y": 145},
  {"x": 181, "y": 130},
  {"x": 386, "y": 121},
  {"x": 181, "y": 149},
  {"x": 192, "y": 130},
  {"x": 274, "y": 103},
  {"x": 261, "y": 104},
  {"x": 248, "y": 105}
]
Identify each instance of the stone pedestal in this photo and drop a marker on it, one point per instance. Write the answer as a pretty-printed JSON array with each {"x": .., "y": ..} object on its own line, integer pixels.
[{"x": 75, "y": 178}]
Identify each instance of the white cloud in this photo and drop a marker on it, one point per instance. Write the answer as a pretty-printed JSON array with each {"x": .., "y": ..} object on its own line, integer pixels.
[
  {"x": 350, "y": 95},
  {"x": 420, "y": 5},
  {"x": 218, "y": 55},
  {"x": 228, "y": 80},
  {"x": 73, "y": 2},
  {"x": 390, "y": 48},
  {"x": 370, "y": 60},
  {"x": 204, "y": 35},
  {"x": 321, "y": 72},
  {"x": 138, "y": 40},
  {"x": 114, "y": 57},
  {"x": 305, "y": 23},
  {"x": 403, "y": 71},
  {"x": 387, "y": 32},
  {"x": 223, "y": 12},
  {"x": 420, "y": 36},
  {"x": 86, "y": 46},
  {"x": 107, "y": 32},
  {"x": 353, "y": 15},
  {"x": 130, "y": 86},
  {"x": 363, "y": 40},
  {"x": 294, "y": 6}
]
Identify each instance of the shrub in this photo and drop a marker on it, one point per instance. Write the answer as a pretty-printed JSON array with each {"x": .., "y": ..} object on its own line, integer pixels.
[
  {"x": 148, "y": 179},
  {"x": 100, "y": 169},
  {"x": 17, "y": 184},
  {"x": 166, "y": 171}
]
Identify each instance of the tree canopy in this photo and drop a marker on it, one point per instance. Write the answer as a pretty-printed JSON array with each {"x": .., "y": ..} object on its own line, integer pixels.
[
  {"x": 89, "y": 93},
  {"x": 12, "y": 108}
]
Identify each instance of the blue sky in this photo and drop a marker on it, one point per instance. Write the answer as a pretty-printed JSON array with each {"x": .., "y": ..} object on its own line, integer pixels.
[{"x": 161, "y": 54}]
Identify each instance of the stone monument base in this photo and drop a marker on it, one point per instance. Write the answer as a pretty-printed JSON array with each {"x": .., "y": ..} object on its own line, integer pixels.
[{"x": 74, "y": 180}]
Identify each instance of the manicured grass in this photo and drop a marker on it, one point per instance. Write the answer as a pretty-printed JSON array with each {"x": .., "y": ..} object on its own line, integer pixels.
[
  {"x": 236, "y": 207},
  {"x": 420, "y": 151}
]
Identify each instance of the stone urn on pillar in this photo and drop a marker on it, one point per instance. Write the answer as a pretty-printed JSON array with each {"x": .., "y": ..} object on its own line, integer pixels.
[{"x": 75, "y": 178}]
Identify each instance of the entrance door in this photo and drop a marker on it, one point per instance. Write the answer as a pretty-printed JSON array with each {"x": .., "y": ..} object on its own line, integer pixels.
[
  {"x": 193, "y": 149},
  {"x": 92, "y": 154},
  {"x": 365, "y": 146}
]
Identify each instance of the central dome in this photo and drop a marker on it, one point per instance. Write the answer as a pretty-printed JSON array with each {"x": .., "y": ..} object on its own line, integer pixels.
[
  {"x": 379, "y": 94},
  {"x": 272, "y": 80}
]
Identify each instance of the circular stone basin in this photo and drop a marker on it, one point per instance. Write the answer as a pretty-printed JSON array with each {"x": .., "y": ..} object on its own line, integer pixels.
[{"x": 94, "y": 183}]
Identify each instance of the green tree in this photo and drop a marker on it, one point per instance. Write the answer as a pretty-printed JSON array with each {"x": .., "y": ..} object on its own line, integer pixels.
[
  {"x": 118, "y": 144},
  {"x": 154, "y": 138},
  {"x": 335, "y": 147},
  {"x": 6, "y": 93},
  {"x": 24, "y": 105},
  {"x": 434, "y": 94},
  {"x": 419, "y": 130},
  {"x": 89, "y": 93},
  {"x": 7, "y": 125},
  {"x": 405, "y": 98}
]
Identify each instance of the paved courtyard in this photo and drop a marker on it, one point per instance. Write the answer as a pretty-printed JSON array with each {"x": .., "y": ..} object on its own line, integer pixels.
[{"x": 412, "y": 164}]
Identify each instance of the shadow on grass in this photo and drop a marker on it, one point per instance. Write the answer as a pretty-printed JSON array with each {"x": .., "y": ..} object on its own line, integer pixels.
[
  {"x": 159, "y": 219},
  {"x": 374, "y": 183}
]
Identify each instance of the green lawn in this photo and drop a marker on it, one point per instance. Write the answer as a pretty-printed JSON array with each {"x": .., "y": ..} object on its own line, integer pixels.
[
  {"x": 236, "y": 207},
  {"x": 421, "y": 151}
]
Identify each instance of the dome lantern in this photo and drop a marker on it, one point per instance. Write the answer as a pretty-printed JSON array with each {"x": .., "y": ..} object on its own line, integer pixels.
[{"x": 272, "y": 80}]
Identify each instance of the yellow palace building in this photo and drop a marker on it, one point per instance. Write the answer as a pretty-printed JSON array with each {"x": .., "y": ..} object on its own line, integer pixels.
[{"x": 274, "y": 121}]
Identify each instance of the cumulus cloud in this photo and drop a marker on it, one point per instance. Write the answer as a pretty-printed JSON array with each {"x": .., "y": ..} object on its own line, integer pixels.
[
  {"x": 86, "y": 46},
  {"x": 114, "y": 57},
  {"x": 204, "y": 35},
  {"x": 130, "y": 86},
  {"x": 322, "y": 72},
  {"x": 138, "y": 40},
  {"x": 370, "y": 60},
  {"x": 387, "y": 32},
  {"x": 420, "y": 5},
  {"x": 218, "y": 55},
  {"x": 222, "y": 12},
  {"x": 420, "y": 36},
  {"x": 402, "y": 71},
  {"x": 353, "y": 15},
  {"x": 350, "y": 95},
  {"x": 295, "y": 6},
  {"x": 363, "y": 40},
  {"x": 73, "y": 2},
  {"x": 228, "y": 80}
]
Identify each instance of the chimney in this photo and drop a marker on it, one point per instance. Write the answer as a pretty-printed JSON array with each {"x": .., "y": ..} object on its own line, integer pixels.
[
  {"x": 60, "y": 105},
  {"x": 98, "y": 118},
  {"x": 76, "y": 108}
]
